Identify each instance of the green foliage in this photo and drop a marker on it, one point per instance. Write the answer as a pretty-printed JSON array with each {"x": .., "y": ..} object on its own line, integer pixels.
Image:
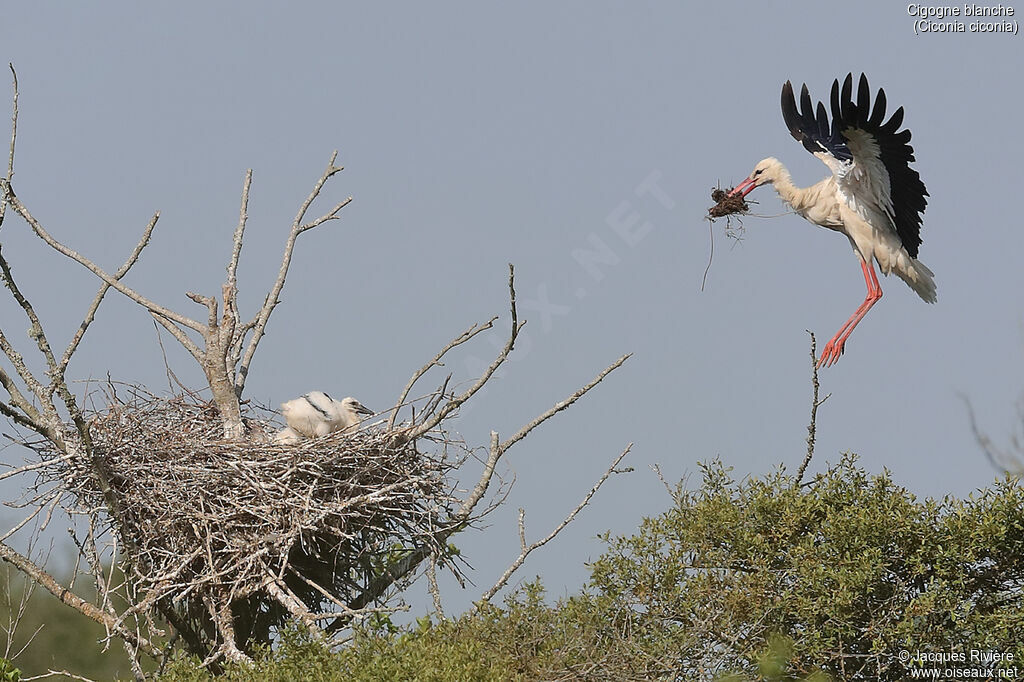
[
  {"x": 9, "y": 673},
  {"x": 851, "y": 570},
  {"x": 751, "y": 580},
  {"x": 523, "y": 641}
]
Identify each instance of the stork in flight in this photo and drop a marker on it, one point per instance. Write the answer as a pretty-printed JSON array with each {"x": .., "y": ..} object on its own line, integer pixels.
[{"x": 873, "y": 196}]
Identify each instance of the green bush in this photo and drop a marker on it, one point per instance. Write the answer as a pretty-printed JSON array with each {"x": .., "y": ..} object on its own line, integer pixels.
[{"x": 751, "y": 580}]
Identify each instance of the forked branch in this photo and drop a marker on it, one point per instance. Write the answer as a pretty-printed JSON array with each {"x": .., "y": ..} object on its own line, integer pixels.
[{"x": 526, "y": 549}]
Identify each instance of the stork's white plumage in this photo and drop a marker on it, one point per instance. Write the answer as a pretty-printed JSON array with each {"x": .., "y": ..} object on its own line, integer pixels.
[
  {"x": 318, "y": 414},
  {"x": 349, "y": 411},
  {"x": 313, "y": 414},
  {"x": 873, "y": 197},
  {"x": 287, "y": 436}
]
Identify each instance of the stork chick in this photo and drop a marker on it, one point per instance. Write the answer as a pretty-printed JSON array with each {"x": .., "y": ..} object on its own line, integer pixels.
[
  {"x": 287, "y": 436},
  {"x": 311, "y": 415},
  {"x": 349, "y": 410},
  {"x": 318, "y": 414}
]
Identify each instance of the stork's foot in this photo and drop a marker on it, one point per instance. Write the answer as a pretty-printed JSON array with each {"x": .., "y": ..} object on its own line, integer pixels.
[{"x": 833, "y": 349}]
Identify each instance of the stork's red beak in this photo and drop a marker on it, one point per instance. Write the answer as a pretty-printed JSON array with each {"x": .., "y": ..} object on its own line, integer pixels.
[{"x": 744, "y": 188}]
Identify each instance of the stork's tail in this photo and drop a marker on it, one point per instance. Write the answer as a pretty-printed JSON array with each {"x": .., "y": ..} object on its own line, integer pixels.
[{"x": 917, "y": 275}]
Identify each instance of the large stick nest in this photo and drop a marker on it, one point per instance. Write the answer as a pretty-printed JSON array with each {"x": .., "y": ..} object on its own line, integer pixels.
[{"x": 207, "y": 521}]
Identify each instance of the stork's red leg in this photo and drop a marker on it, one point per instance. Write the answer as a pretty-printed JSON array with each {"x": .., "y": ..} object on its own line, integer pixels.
[{"x": 834, "y": 348}]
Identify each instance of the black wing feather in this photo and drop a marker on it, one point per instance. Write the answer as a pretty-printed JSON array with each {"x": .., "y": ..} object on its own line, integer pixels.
[
  {"x": 878, "y": 113},
  {"x": 813, "y": 132},
  {"x": 863, "y": 101},
  {"x": 812, "y": 129}
]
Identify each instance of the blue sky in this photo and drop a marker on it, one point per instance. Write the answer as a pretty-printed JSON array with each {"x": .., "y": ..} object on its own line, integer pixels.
[{"x": 475, "y": 135}]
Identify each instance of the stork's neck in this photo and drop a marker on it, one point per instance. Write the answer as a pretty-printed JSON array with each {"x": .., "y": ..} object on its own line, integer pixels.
[
  {"x": 788, "y": 192},
  {"x": 815, "y": 203}
]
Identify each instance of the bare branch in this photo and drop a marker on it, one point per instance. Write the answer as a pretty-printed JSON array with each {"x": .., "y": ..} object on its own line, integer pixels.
[
  {"x": 456, "y": 401},
  {"x": 236, "y": 245},
  {"x": 57, "y": 673},
  {"x": 35, "y": 331},
  {"x": 233, "y": 335},
  {"x": 1001, "y": 460},
  {"x": 91, "y": 312},
  {"x": 32, "y": 421},
  {"x": 259, "y": 324},
  {"x": 523, "y": 432},
  {"x": 527, "y": 549},
  {"x": 37, "y": 574},
  {"x": 14, "y": 123},
  {"x": 494, "y": 453},
  {"x": 435, "y": 591},
  {"x": 330, "y": 215},
  {"x": 194, "y": 350},
  {"x": 5, "y": 183},
  {"x": 211, "y": 307},
  {"x": 34, "y": 466},
  {"x": 436, "y": 362},
  {"x": 96, "y": 270}
]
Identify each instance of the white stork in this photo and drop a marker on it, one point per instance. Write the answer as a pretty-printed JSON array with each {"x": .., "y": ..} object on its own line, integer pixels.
[
  {"x": 348, "y": 410},
  {"x": 287, "y": 436},
  {"x": 318, "y": 414},
  {"x": 873, "y": 197}
]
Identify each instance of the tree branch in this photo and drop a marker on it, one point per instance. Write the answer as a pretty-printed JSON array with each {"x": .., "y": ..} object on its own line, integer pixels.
[
  {"x": 527, "y": 549},
  {"x": 104, "y": 288},
  {"x": 455, "y": 402},
  {"x": 259, "y": 323},
  {"x": 236, "y": 244},
  {"x": 5, "y": 183},
  {"x": 38, "y": 575},
  {"x": 436, "y": 362},
  {"x": 96, "y": 270},
  {"x": 194, "y": 350},
  {"x": 558, "y": 407}
]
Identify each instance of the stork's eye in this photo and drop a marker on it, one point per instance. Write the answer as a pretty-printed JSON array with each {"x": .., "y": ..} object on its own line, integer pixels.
[{"x": 758, "y": 171}]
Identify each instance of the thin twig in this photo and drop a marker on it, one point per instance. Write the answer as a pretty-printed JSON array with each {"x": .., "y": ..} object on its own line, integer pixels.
[
  {"x": 104, "y": 288},
  {"x": 711, "y": 256},
  {"x": 5, "y": 183},
  {"x": 436, "y": 362},
  {"x": 259, "y": 324},
  {"x": 812, "y": 427},
  {"x": 48, "y": 582},
  {"x": 527, "y": 549},
  {"x": 54, "y": 673},
  {"x": 153, "y": 307},
  {"x": 456, "y": 401},
  {"x": 558, "y": 407}
]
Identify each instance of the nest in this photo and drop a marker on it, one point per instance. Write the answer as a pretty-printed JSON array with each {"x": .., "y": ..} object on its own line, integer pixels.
[
  {"x": 726, "y": 203},
  {"x": 207, "y": 521}
]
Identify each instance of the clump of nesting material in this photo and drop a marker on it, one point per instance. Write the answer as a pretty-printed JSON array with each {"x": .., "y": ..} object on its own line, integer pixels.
[
  {"x": 205, "y": 520},
  {"x": 727, "y": 203}
]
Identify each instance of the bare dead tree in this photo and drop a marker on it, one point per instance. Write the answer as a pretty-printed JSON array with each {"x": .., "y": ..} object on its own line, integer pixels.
[{"x": 220, "y": 535}]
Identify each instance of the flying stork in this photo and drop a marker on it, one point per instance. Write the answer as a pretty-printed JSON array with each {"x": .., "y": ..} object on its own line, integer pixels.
[{"x": 873, "y": 196}]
